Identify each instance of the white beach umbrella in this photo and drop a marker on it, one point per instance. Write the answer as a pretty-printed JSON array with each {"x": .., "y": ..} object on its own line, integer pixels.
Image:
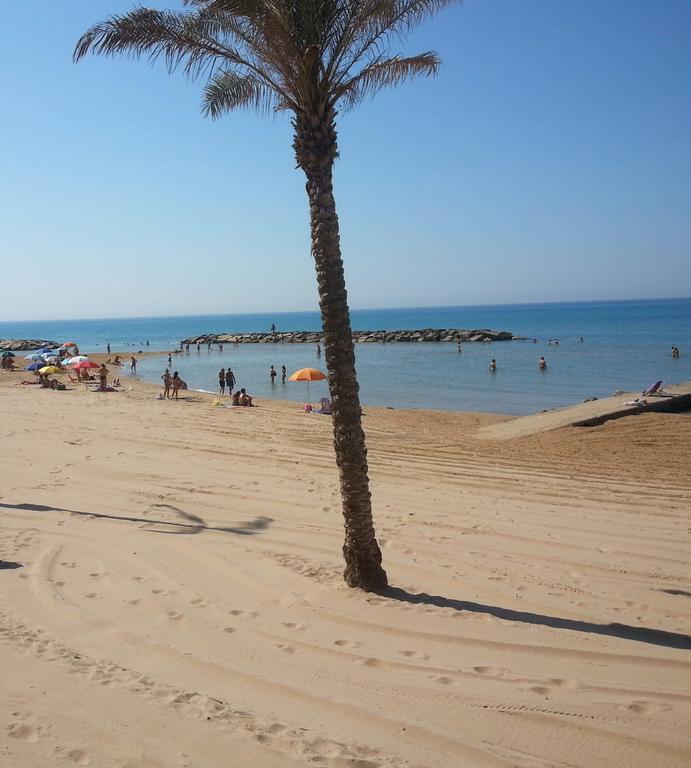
[
  {"x": 34, "y": 356},
  {"x": 76, "y": 359}
]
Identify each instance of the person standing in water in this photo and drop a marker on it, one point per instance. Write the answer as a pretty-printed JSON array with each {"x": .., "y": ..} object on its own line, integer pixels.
[
  {"x": 319, "y": 352},
  {"x": 108, "y": 347},
  {"x": 493, "y": 365},
  {"x": 230, "y": 380},
  {"x": 272, "y": 373},
  {"x": 542, "y": 364},
  {"x": 283, "y": 374},
  {"x": 133, "y": 365},
  {"x": 222, "y": 381}
]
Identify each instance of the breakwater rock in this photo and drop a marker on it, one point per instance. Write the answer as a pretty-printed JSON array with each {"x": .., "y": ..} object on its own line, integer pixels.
[
  {"x": 313, "y": 337},
  {"x": 26, "y": 345}
]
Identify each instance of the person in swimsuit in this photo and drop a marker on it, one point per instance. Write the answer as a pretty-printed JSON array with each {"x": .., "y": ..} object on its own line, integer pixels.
[{"x": 222, "y": 381}]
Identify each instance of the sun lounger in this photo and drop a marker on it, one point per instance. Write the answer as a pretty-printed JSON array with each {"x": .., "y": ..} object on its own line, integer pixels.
[{"x": 655, "y": 389}]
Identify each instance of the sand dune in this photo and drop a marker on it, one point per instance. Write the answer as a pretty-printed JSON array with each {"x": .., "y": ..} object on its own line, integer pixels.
[{"x": 177, "y": 597}]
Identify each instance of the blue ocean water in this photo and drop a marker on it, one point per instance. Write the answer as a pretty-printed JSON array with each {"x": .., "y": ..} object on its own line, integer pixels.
[{"x": 627, "y": 345}]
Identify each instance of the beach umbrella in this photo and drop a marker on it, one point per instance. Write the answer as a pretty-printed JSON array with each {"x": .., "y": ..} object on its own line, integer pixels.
[
  {"x": 77, "y": 359},
  {"x": 69, "y": 344},
  {"x": 34, "y": 356},
  {"x": 7, "y": 353},
  {"x": 48, "y": 369},
  {"x": 85, "y": 364},
  {"x": 35, "y": 366},
  {"x": 307, "y": 374}
]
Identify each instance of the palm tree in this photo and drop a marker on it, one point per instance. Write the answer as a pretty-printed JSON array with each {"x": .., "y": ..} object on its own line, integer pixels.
[{"x": 311, "y": 58}]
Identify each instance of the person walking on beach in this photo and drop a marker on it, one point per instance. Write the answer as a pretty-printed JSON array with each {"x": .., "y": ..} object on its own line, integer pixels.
[
  {"x": 166, "y": 383},
  {"x": 493, "y": 365},
  {"x": 222, "y": 381},
  {"x": 542, "y": 364},
  {"x": 319, "y": 352},
  {"x": 272, "y": 373},
  {"x": 176, "y": 383},
  {"x": 230, "y": 380},
  {"x": 133, "y": 365},
  {"x": 283, "y": 374}
]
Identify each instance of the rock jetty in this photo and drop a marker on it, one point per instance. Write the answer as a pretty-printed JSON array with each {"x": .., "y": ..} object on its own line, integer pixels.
[
  {"x": 26, "y": 345},
  {"x": 300, "y": 337}
]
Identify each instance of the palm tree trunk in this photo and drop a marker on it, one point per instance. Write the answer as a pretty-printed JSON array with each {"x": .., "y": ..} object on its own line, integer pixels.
[{"x": 315, "y": 150}]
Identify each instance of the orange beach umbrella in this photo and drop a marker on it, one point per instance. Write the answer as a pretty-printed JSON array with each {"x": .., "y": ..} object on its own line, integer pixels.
[{"x": 307, "y": 374}]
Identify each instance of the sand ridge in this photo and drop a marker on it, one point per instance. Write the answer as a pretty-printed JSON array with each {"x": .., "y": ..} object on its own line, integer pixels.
[{"x": 178, "y": 600}]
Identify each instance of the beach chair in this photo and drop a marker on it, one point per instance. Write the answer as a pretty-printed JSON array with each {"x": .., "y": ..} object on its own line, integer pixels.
[
  {"x": 654, "y": 389},
  {"x": 325, "y": 406}
]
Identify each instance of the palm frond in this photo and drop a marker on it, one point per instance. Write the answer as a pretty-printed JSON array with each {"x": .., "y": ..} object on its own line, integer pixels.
[
  {"x": 227, "y": 90},
  {"x": 385, "y": 73}
]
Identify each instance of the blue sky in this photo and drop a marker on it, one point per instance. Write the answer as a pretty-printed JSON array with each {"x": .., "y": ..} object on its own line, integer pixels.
[{"x": 550, "y": 160}]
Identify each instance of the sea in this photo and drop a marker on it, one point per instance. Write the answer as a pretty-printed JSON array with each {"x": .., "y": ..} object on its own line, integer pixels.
[{"x": 604, "y": 347}]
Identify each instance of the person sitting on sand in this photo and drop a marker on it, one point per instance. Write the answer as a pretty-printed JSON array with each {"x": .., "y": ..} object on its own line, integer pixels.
[
  {"x": 542, "y": 364},
  {"x": 245, "y": 399},
  {"x": 176, "y": 384},
  {"x": 117, "y": 360},
  {"x": 102, "y": 377},
  {"x": 236, "y": 399},
  {"x": 116, "y": 383}
]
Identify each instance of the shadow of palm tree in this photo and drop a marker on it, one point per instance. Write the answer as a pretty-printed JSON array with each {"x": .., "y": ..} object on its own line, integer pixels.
[
  {"x": 8, "y": 565},
  {"x": 622, "y": 631},
  {"x": 193, "y": 525}
]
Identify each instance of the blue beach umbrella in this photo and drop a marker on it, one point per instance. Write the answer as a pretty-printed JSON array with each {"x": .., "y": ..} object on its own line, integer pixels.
[
  {"x": 35, "y": 366},
  {"x": 33, "y": 356}
]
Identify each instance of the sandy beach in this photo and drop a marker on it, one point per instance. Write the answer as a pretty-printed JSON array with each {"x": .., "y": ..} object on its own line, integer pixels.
[{"x": 171, "y": 591}]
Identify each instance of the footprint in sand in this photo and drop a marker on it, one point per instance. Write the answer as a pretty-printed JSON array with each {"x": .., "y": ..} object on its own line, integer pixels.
[
  {"x": 491, "y": 671},
  {"x": 414, "y": 655},
  {"x": 97, "y": 575},
  {"x": 136, "y": 601},
  {"x": 229, "y": 630},
  {"x": 91, "y": 595},
  {"x": 69, "y": 565},
  {"x": 79, "y": 757},
  {"x": 443, "y": 680},
  {"x": 293, "y": 625},
  {"x": 199, "y": 602},
  {"x": 243, "y": 614},
  {"x": 60, "y": 583},
  {"x": 286, "y": 648},
  {"x": 347, "y": 643},
  {"x": 174, "y": 615},
  {"x": 645, "y": 707}
]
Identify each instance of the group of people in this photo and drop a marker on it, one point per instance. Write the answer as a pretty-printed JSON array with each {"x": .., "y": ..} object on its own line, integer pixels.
[
  {"x": 541, "y": 364},
  {"x": 172, "y": 385},
  {"x": 273, "y": 374},
  {"x": 227, "y": 380}
]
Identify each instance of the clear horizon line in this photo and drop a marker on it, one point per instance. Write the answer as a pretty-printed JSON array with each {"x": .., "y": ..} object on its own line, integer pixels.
[{"x": 361, "y": 309}]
